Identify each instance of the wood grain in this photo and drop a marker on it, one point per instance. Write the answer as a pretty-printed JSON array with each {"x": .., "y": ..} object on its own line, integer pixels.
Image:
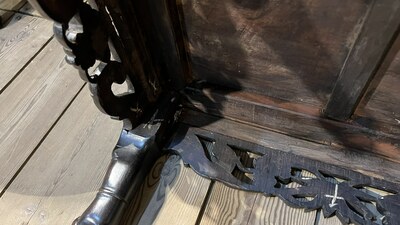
[
  {"x": 363, "y": 162},
  {"x": 11, "y": 4},
  {"x": 28, "y": 9},
  {"x": 228, "y": 206},
  {"x": 30, "y": 106},
  {"x": 141, "y": 200},
  {"x": 328, "y": 221},
  {"x": 289, "y": 50},
  {"x": 379, "y": 108},
  {"x": 8, "y": 7},
  {"x": 159, "y": 24},
  {"x": 178, "y": 198},
  {"x": 19, "y": 42},
  {"x": 254, "y": 110},
  {"x": 62, "y": 177},
  {"x": 377, "y": 35},
  {"x": 275, "y": 212}
]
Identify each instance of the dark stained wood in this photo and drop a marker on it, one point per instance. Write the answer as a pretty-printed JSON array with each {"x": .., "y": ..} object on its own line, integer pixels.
[
  {"x": 142, "y": 197},
  {"x": 178, "y": 197},
  {"x": 300, "y": 182},
  {"x": 288, "y": 50},
  {"x": 239, "y": 106},
  {"x": 60, "y": 11},
  {"x": 376, "y": 37},
  {"x": 130, "y": 46},
  {"x": 163, "y": 36},
  {"x": 363, "y": 162},
  {"x": 380, "y": 108}
]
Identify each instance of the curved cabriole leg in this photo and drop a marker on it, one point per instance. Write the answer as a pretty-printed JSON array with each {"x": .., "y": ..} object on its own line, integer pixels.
[
  {"x": 133, "y": 157},
  {"x": 84, "y": 37},
  {"x": 125, "y": 173}
]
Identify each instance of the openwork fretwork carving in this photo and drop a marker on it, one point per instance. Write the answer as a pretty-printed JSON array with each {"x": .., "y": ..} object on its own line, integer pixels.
[
  {"x": 300, "y": 182},
  {"x": 86, "y": 40}
]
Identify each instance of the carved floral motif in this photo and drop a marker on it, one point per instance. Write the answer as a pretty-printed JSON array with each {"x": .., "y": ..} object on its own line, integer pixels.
[{"x": 300, "y": 182}]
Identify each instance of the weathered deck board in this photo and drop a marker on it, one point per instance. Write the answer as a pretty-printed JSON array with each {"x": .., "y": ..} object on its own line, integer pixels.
[
  {"x": 7, "y": 7},
  {"x": 252, "y": 109},
  {"x": 351, "y": 159},
  {"x": 328, "y": 221},
  {"x": 19, "y": 42},
  {"x": 178, "y": 198},
  {"x": 228, "y": 206},
  {"x": 380, "y": 108},
  {"x": 28, "y": 9},
  {"x": 62, "y": 177},
  {"x": 235, "y": 207},
  {"x": 31, "y": 105},
  {"x": 275, "y": 211},
  {"x": 288, "y": 50},
  {"x": 11, "y": 4}
]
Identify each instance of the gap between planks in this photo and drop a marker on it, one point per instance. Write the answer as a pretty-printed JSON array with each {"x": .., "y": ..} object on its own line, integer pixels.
[
  {"x": 30, "y": 106},
  {"x": 20, "y": 42},
  {"x": 362, "y": 162},
  {"x": 178, "y": 198},
  {"x": 62, "y": 177}
]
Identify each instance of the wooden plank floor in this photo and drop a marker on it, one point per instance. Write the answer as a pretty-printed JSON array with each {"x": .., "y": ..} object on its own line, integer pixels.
[
  {"x": 7, "y": 9},
  {"x": 55, "y": 147}
]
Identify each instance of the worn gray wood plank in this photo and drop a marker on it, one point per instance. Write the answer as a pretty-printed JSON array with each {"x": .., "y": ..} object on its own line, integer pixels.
[
  {"x": 144, "y": 194},
  {"x": 31, "y": 105},
  {"x": 7, "y": 9},
  {"x": 19, "y": 42},
  {"x": 63, "y": 176},
  {"x": 28, "y": 9}
]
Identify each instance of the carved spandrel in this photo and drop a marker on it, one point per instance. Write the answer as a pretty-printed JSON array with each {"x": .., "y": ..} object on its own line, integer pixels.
[
  {"x": 300, "y": 182},
  {"x": 85, "y": 39}
]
